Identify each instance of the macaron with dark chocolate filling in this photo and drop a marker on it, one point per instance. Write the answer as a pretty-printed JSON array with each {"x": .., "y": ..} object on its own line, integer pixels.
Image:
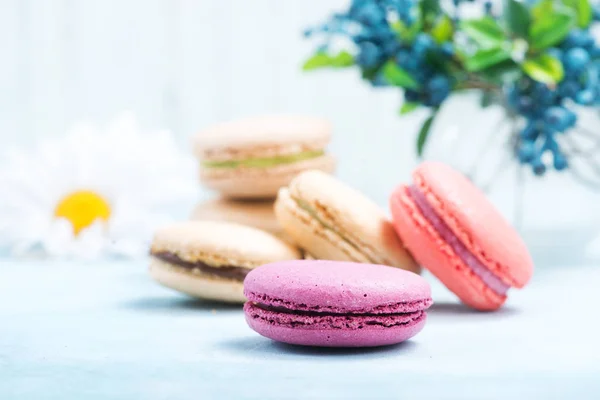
[{"x": 210, "y": 260}]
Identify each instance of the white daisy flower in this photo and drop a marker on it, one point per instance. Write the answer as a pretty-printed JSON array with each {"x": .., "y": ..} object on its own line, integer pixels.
[{"x": 94, "y": 192}]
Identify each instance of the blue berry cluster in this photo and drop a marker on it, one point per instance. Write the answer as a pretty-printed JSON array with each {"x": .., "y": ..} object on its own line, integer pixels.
[
  {"x": 548, "y": 110},
  {"x": 369, "y": 25},
  {"x": 535, "y": 57},
  {"x": 435, "y": 84}
]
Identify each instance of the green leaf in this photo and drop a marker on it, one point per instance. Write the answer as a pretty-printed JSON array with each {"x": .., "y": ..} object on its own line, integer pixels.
[
  {"x": 545, "y": 69},
  {"x": 506, "y": 71},
  {"x": 398, "y": 76},
  {"x": 484, "y": 31},
  {"x": 428, "y": 10},
  {"x": 443, "y": 30},
  {"x": 408, "y": 107},
  {"x": 542, "y": 8},
  {"x": 400, "y": 28},
  {"x": 369, "y": 73},
  {"x": 550, "y": 29},
  {"x": 583, "y": 10},
  {"x": 323, "y": 60},
  {"x": 406, "y": 33},
  {"x": 486, "y": 58},
  {"x": 424, "y": 133},
  {"x": 429, "y": 6},
  {"x": 413, "y": 30},
  {"x": 517, "y": 18}
]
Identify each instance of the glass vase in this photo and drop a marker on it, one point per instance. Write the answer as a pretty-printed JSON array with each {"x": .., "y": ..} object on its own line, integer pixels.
[{"x": 558, "y": 214}]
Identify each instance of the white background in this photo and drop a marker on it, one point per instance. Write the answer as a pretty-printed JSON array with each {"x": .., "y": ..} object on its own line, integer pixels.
[{"x": 184, "y": 64}]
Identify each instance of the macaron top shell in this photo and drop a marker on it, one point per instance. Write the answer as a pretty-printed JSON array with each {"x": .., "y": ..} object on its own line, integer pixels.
[
  {"x": 222, "y": 244},
  {"x": 263, "y": 136},
  {"x": 475, "y": 221},
  {"x": 334, "y": 286},
  {"x": 351, "y": 215}
]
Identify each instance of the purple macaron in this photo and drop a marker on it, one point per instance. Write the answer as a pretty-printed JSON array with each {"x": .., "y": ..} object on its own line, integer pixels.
[{"x": 335, "y": 304}]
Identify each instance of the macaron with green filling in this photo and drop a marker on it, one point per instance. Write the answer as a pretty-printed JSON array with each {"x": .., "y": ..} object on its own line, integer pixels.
[{"x": 254, "y": 157}]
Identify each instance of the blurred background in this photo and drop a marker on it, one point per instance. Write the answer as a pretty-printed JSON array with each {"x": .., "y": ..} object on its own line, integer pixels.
[{"x": 184, "y": 64}]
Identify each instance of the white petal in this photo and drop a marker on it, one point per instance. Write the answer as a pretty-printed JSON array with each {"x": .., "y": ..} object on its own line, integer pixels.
[
  {"x": 59, "y": 239},
  {"x": 90, "y": 242}
]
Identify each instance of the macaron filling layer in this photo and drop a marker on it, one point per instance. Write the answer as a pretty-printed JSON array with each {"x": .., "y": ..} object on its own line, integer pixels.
[
  {"x": 227, "y": 272},
  {"x": 468, "y": 258},
  {"x": 313, "y": 214},
  {"x": 265, "y": 162},
  {"x": 393, "y": 308},
  {"x": 327, "y": 320}
]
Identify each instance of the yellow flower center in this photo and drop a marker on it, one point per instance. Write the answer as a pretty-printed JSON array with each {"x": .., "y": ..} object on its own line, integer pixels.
[{"x": 82, "y": 208}]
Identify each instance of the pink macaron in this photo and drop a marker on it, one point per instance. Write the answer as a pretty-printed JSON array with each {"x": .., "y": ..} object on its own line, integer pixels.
[
  {"x": 335, "y": 303},
  {"x": 455, "y": 232}
]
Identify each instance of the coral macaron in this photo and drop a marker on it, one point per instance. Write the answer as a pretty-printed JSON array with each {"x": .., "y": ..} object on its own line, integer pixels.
[
  {"x": 335, "y": 304},
  {"x": 455, "y": 232}
]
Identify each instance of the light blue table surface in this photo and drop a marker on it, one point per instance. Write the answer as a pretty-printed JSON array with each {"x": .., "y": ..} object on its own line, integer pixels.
[{"x": 106, "y": 331}]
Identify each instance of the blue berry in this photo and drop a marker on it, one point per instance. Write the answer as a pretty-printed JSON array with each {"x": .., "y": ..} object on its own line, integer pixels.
[
  {"x": 411, "y": 96},
  {"x": 558, "y": 118},
  {"x": 555, "y": 52},
  {"x": 526, "y": 152},
  {"x": 571, "y": 118},
  {"x": 529, "y": 133},
  {"x": 525, "y": 104},
  {"x": 402, "y": 56},
  {"x": 538, "y": 166},
  {"x": 439, "y": 83},
  {"x": 576, "y": 59},
  {"x": 447, "y": 49},
  {"x": 438, "y": 89},
  {"x": 370, "y": 14},
  {"x": 592, "y": 75},
  {"x": 379, "y": 81},
  {"x": 585, "y": 97},
  {"x": 578, "y": 38},
  {"x": 550, "y": 144},
  {"x": 369, "y": 55},
  {"x": 569, "y": 89},
  {"x": 390, "y": 47},
  {"x": 423, "y": 42},
  {"x": 361, "y": 37},
  {"x": 560, "y": 161}
]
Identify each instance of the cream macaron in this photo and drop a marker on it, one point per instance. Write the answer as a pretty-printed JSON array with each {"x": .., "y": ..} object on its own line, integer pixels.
[
  {"x": 210, "y": 260},
  {"x": 256, "y": 213},
  {"x": 332, "y": 221},
  {"x": 254, "y": 157}
]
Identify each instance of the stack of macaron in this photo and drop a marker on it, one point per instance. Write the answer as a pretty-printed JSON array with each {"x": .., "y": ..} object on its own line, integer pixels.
[
  {"x": 246, "y": 161},
  {"x": 318, "y": 263}
]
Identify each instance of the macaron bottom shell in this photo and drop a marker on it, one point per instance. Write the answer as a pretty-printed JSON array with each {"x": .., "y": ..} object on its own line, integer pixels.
[
  {"x": 344, "y": 331},
  {"x": 197, "y": 285}
]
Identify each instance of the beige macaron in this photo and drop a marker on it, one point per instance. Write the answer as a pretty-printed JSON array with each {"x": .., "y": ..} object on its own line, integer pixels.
[
  {"x": 333, "y": 221},
  {"x": 254, "y": 157},
  {"x": 210, "y": 260},
  {"x": 256, "y": 213}
]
